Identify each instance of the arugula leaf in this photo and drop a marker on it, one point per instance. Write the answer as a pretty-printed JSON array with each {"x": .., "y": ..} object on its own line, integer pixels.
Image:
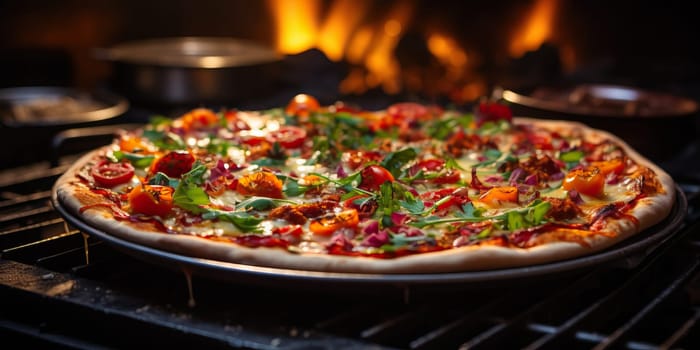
[
  {"x": 163, "y": 180},
  {"x": 165, "y": 140},
  {"x": 189, "y": 194},
  {"x": 262, "y": 203},
  {"x": 396, "y": 160},
  {"x": 245, "y": 221},
  {"x": 412, "y": 204},
  {"x": 137, "y": 160}
]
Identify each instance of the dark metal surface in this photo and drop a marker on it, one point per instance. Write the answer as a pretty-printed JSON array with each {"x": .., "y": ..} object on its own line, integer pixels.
[{"x": 474, "y": 279}]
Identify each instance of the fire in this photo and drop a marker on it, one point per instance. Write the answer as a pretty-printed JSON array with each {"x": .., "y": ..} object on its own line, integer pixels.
[
  {"x": 297, "y": 24},
  {"x": 341, "y": 34},
  {"x": 537, "y": 28}
]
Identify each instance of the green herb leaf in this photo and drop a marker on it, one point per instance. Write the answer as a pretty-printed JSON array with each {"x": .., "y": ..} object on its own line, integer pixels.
[
  {"x": 395, "y": 161},
  {"x": 188, "y": 193},
  {"x": 412, "y": 204},
  {"x": 163, "y": 180},
  {"x": 137, "y": 160},
  {"x": 245, "y": 221}
]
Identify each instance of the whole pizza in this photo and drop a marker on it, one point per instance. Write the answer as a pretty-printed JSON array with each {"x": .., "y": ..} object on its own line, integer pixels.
[{"x": 412, "y": 188}]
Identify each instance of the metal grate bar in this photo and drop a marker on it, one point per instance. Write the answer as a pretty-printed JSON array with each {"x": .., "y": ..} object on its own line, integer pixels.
[
  {"x": 31, "y": 233},
  {"x": 441, "y": 335},
  {"x": 621, "y": 333},
  {"x": 683, "y": 331},
  {"x": 599, "y": 310},
  {"x": 30, "y": 253},
  {"x": 30, "y": 215},
  {"x": 25, "y": 200}
]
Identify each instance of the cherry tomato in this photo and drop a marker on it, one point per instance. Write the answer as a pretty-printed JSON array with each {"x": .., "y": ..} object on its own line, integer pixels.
[
  {"x": 261, "y": 183},
  {"x": 151, "y": 200},
  {"x": 355, "y": 159},
  {"x": 374, "y": 176},
  {"x": 499, "y": 195},
  {"x": 610, "y": 166},
  {"x": 493, "y": 111},
  {"x": 326, "y": 225},
  {"x": 173, "y": 163},
  {"x": 288, "y": 136},
  {"x": 302, "y": 105},
  {"x": 589, "y": 181},
  {"x": 108, "y": 174}
]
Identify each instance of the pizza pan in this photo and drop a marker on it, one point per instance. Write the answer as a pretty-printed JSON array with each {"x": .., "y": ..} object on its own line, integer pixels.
[{"x": 285, "y": 278}]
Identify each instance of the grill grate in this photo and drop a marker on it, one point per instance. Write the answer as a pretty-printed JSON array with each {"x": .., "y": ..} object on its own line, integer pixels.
[{"x": 51, "y": 296}]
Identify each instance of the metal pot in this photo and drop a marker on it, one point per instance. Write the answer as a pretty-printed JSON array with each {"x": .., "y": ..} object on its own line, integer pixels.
[
  {"x": 185, "y": 71},
  {"x": 657, "y": 124}
]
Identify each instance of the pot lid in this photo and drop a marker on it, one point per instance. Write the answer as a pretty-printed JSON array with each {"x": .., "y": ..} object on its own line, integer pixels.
[{"x": 191, "y": 52}]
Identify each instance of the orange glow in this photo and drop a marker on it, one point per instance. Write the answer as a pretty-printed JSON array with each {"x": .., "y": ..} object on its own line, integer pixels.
[
  {"x": 297, "y": 24},
  {"x": 538, "y": 28},
  {"x": 449, "y": 53},
  {"x": 342, "y": 18}
]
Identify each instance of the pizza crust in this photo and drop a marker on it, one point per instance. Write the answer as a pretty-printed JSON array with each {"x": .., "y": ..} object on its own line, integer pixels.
[{"x": 650, "y": 211}]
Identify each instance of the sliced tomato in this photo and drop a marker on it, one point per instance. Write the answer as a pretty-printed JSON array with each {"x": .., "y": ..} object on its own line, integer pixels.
[
  {"x": 290, "y": 230},
  {"x": 174, "y": 163},
  {"x": 374, "y": 176},
  {"x": 288, "y": 136},
  {"x": 589, "y": 181},
  {"x": 326, "y": 225},
  {"x": 498, "y": 195},
  {"x": 261, "y": 183},
  {"x": 108, "y": 174},
  {"x": 408, "y": 111},
  {"x": 426, "y": 165},
  {"x": 151, "y": 200},
  {"x": 302, "y": 105}
]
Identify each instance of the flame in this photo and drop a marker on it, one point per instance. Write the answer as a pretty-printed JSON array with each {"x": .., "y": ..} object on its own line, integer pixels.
[
  {"x": 342, "y": 32},
  {"x": 297, "y": 24},
  {"x": 537, "y": 28}
]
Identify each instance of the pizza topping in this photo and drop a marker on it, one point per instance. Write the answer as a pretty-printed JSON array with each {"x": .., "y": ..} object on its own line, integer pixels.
[
  {"x": 374, "y": 176},
  {"x": 589, "y": 181},
  {"x": 333, "y": 222},
  {"x": 302, "y": 105},
  {"x": 174, "y": 163},
  {"x": 151, "y": 200},
  {"x": 260, "y": 183},
  {"x": 498, "y": 196},
  {"x": 109, "y": 174},
  {"x": 288, "y": 136}
]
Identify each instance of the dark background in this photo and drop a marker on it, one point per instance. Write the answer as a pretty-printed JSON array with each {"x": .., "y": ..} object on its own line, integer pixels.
[
  {"x": 638, "y": 43},
  {"x": 46, "y": 42}
]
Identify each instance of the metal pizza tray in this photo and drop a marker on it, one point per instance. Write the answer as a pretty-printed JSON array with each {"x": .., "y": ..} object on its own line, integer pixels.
[{"x": 635, "y": 248}]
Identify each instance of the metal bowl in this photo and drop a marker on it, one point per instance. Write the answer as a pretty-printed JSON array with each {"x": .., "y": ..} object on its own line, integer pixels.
[
  {"x": 191, "y": 70},
  {"x": 657, "y": 124}
]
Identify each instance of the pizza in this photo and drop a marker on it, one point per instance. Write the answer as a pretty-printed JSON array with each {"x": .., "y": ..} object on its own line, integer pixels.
[{"x": 412, "y": 188}]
